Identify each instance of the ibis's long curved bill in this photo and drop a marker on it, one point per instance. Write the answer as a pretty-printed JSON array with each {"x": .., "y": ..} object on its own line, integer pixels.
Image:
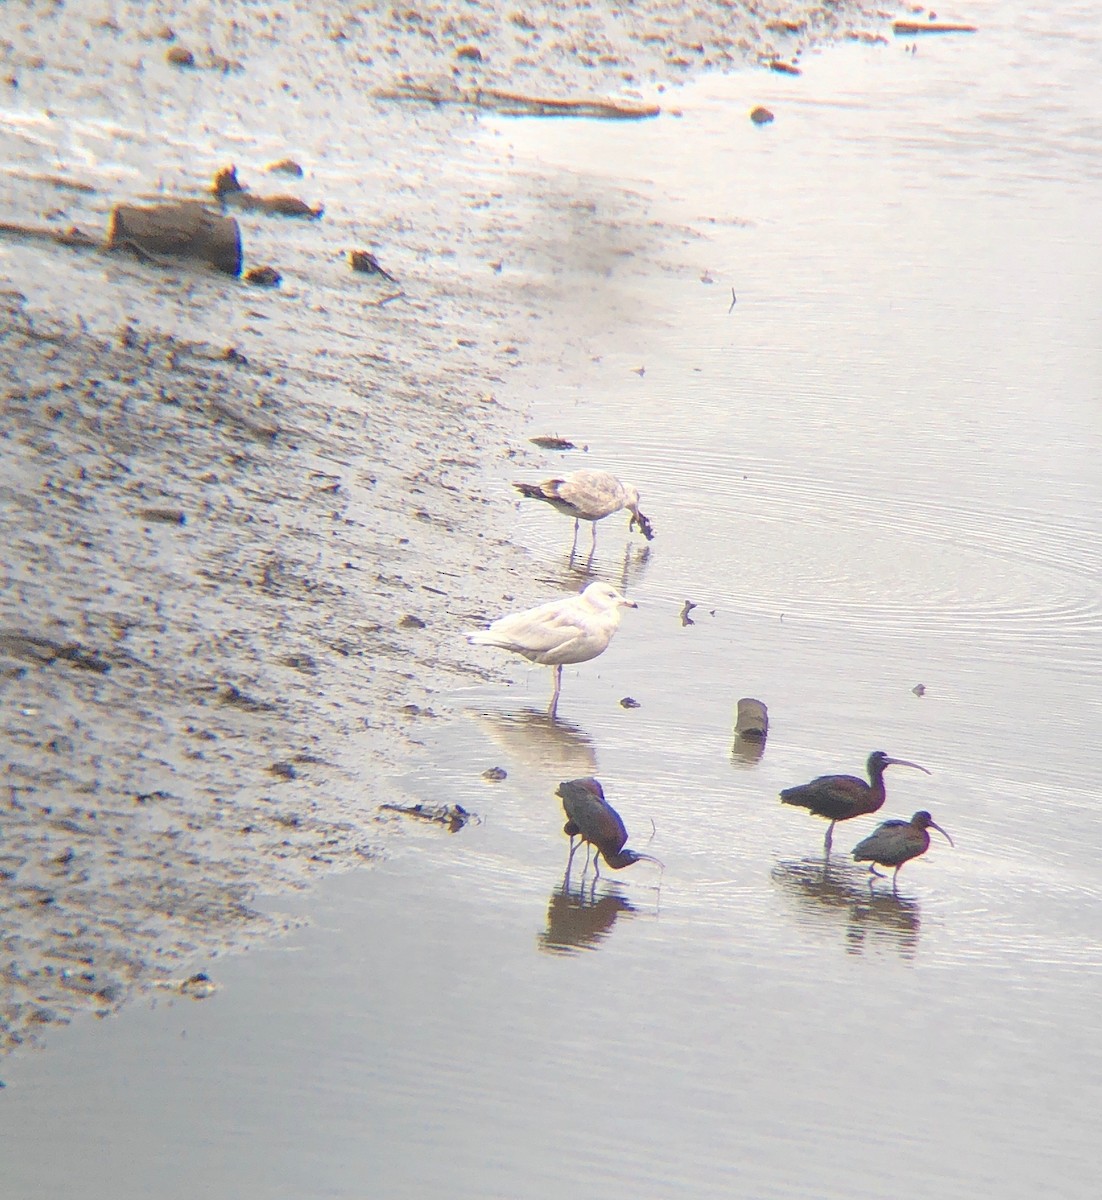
[
  {"x": 935, "y": 825},
  {"x": 902, "y": 762}
]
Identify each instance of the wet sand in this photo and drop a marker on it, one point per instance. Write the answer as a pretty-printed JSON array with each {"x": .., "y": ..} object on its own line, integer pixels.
[{"x": 242, "y": 529}]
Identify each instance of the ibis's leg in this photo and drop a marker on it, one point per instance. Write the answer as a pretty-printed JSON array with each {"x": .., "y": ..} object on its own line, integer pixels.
[
  {"x": 593, "y": 544},
  {"x": 596, "y": 866},
  {"x": 828, "y": 841}
]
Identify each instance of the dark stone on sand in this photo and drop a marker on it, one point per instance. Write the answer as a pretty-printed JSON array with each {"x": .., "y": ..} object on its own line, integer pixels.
[
  {"x": 180, "y": 56},
  {"x": 366, "y": 262},
  {"x": 760, "y": 115},
  {"x": 167, "y": 516},
  {"x": 285, "y": 166},
  {"x": 265, "y": 276}
]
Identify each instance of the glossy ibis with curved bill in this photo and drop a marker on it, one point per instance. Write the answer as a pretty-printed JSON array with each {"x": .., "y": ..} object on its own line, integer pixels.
[
  {"x": 590, "y": 817},
  {"x": 840, "y": 797},
  {"x": 893, "y": 843},
  {"x": 589, "y": 496},
  {"x": 571, "y": 630}
]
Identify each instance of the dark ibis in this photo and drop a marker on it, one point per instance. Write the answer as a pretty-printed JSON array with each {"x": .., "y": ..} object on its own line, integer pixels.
[
  {"x": 894, "y": 843},
  {"x": 589, "y": 496},
  {"x": 840, "y": 797},
  {"x": 590, "y": 817}
]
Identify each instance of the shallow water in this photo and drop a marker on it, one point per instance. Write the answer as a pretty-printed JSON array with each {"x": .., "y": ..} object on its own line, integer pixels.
[{"x": 878, "y": 470}]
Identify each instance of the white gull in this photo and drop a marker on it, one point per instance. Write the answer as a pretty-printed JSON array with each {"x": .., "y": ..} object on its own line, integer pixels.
[{"x": 571, "y": 630}]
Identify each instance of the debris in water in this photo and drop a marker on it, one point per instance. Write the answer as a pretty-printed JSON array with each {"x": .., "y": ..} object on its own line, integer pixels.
[
  {"x": 909, "y": 28},
  {"x": 630, "y": 702},
  {"x": 552, "y": 443},
  {"x": 919, "y": 689},
  {"x": 453, "y": 816},
  {"x": 760, "y": 115},
  {"x": 687, "y": 608},
  {"x": 198, "y": 986},
  {"x": 752, "y": 721},
  {"x": 495, "y": 774}
]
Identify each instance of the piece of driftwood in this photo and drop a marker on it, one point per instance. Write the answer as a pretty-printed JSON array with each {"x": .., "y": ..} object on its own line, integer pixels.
[
  {"x": 552, "y": 443},
  {"x": 42, "y": 233},
  {"x": 227, "y": 189},
  {"x": 910, "y": 28},
  {"x": 451, "y": 816},
  {"x": 514, "y": 104},
  {"x": 184, "y": 229}
]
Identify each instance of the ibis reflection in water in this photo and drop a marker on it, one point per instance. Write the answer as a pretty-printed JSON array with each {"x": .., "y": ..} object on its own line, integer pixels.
[
  {"x": 579, "y": 920},
  {"x": 896, "y": 842},
  {"x": 841, "y": 797},
  {"x": 589, "y": 816}
]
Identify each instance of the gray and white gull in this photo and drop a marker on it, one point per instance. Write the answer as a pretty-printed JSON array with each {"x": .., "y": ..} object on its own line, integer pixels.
[
  {"x": 589, "y": 496},
  {"x": 573, "y": 629}
]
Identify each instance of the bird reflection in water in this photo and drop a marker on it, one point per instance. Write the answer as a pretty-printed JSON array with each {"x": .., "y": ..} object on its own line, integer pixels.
[
  {"x": 532, "y": 739},
  {"x": 579, "y": 919},
  {"x": 839, "y": 894},
  {"x": 632, "y": 567}
]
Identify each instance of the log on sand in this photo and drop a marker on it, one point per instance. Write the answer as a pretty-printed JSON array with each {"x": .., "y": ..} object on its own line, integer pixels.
[{"x": 184, "y": 229}]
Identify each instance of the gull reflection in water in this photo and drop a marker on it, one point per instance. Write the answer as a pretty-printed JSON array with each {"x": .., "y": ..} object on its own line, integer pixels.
[
  {"x": 579, "y": 919},
  {"x": 838, "y": 894},
  {"x": 580, "y": 571},
  {"x": 531, "y": 738}
]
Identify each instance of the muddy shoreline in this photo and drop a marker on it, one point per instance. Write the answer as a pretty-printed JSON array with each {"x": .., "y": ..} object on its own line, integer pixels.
[{"x": 242, "y": 534}]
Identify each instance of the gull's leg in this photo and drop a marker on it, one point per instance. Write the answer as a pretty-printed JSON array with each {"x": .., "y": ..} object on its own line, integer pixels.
[
  {"x": 555, "y": 691},
  {"x": 574, "y": 543}
]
